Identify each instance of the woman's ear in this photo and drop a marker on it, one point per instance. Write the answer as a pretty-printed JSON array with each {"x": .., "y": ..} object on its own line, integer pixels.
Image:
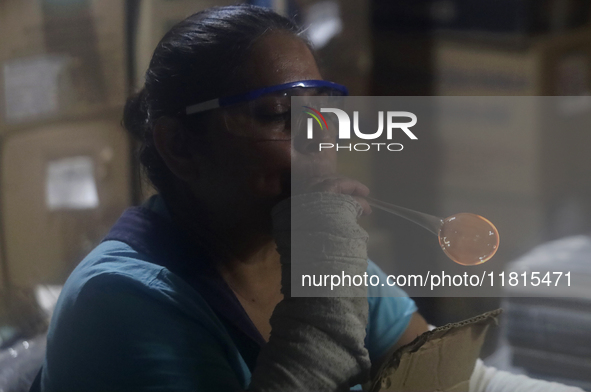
[{"x": 173, "y": 145}]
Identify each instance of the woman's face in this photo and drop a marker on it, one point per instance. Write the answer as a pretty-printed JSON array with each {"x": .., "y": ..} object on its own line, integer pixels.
[{"x": 247, "y": 172}]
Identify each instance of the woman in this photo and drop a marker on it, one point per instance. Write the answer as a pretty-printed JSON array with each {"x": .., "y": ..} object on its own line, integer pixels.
[{"x": 183, "y": 292}]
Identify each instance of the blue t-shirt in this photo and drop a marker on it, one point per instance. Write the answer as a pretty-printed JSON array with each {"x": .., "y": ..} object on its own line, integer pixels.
[{"x": 124, "y": 322}]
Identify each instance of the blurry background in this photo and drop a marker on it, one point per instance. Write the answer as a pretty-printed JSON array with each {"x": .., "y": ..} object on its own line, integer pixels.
[{"x": 68, "y": 170}]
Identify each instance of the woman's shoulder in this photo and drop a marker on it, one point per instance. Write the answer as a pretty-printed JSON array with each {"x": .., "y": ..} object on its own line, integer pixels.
[
  {"x": 133, "y": 319},
  {"x": 115, "y": 268},
  {"x": 112, "y": 262}
]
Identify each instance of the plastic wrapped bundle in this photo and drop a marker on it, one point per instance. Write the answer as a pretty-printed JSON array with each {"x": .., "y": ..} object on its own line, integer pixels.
[
  {"x": 549, "y": 326},
  {"x": 20, "y": 363}
]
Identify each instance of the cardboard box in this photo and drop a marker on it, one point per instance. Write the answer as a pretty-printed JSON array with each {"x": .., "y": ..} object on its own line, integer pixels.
[
  {"x": 523, "y": 155},
  {"x": 63, "y": 186},
  {"x": 61, "y": 58},
  {"x": 547, "y": 65},
  {"x": 516, "y": 161},
  {"x": 505, "y": 145},
  {"x": 500, "y": 17},
  {"x": 3, "y": 275},
  {"x": 522, "y": 163}
]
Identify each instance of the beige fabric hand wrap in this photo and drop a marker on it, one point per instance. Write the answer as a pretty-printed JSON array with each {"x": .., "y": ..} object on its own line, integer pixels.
[{"x": 317, "y": 344}]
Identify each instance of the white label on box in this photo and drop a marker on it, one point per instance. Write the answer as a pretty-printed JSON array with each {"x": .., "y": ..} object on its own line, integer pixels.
[
  {"x": 70, "y": 184},
  {"x": 32, "y": 86},
  {"x": 324, "y": 23}
]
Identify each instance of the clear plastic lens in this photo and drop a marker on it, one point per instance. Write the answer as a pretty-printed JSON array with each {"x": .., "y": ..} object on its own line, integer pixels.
[{"x": 269, "y": 117}]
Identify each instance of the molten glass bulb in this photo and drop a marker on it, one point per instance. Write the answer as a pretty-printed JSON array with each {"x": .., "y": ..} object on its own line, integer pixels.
[{"x": 468, "y": 239}]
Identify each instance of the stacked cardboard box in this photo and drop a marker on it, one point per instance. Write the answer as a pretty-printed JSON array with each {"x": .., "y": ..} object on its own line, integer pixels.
[
  {"x": 521, "y": 162},
  {"x": 510, "y": 165},
  {"x": 491, "y": 19},
  {"x": 64, "y": 170},
  {"x": 544, "y": 65},
  {"x": 63, "y": 185},
  {"x": 515, "y": 158},
  {"x": 61, "y": 58}
]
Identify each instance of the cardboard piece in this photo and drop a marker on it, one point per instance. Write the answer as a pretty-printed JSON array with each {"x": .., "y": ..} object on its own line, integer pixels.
[{"x": 439, "y": 360}]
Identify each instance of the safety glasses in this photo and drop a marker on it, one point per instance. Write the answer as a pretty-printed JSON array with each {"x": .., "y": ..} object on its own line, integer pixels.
[{"x": 265, "y": 113}]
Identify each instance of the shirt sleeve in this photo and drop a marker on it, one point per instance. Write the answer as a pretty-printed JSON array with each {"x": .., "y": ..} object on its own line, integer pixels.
[
  {"x": 117, "y": 337},
  {"x": 390, "y": 311}
]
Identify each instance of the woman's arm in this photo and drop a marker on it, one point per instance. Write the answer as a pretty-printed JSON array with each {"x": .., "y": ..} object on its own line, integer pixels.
[
  {"x": 489, "y": 379},
  {"x": 417, "y": 326},
  {"x": 317, "y": 343}
]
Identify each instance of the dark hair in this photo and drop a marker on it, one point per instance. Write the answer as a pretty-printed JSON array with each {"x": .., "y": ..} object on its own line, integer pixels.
[{"x": 194, "y": 62}]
